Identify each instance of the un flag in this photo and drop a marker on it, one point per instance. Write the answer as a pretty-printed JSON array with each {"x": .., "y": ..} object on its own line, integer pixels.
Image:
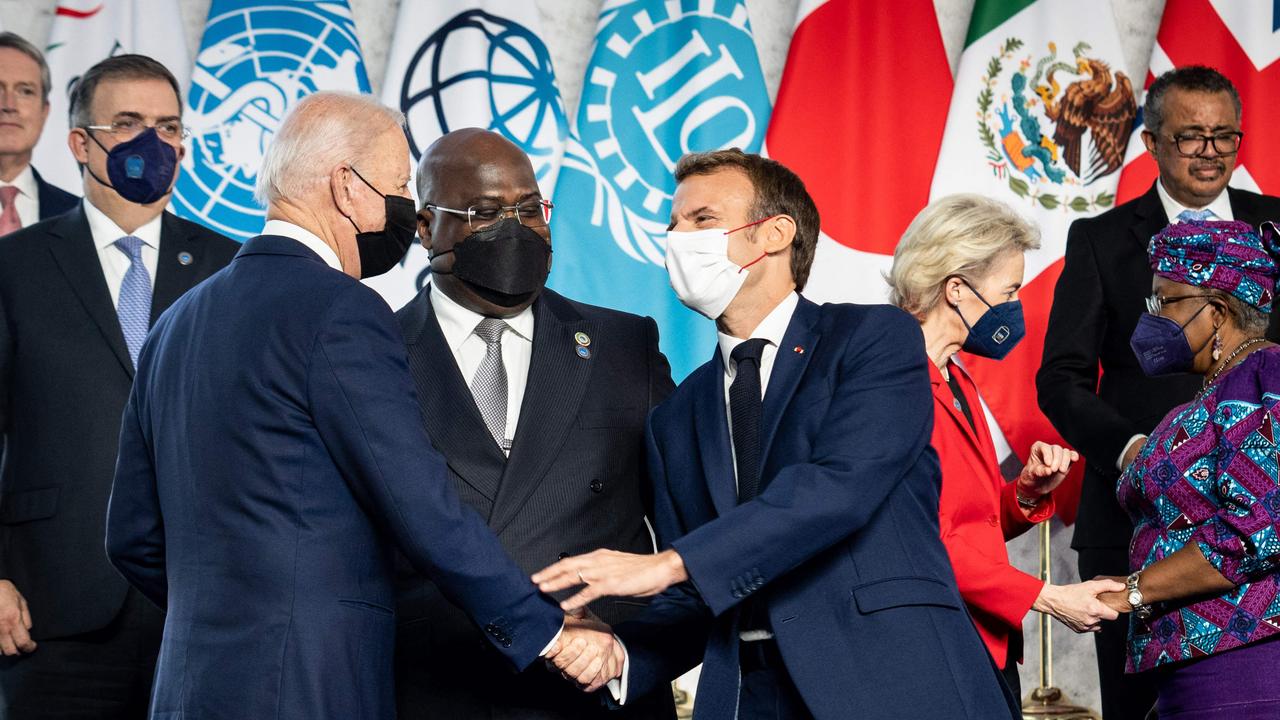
[
  {"x": 256, "y": 60},
  {"x": 664, "y": 79}
]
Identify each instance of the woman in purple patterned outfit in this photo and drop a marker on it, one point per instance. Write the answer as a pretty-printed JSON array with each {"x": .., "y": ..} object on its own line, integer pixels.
[{"x": 1204, "y": 491}]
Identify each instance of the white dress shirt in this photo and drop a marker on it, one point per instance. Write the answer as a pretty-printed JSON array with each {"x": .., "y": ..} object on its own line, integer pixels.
[
  {"x": 459, "y": 324},
  {"x": 1221, "y": 209},
  {"x": 116, "y": 262},
  {"x": 306, "y": 237},
  {"x": 28, "y": 198}
]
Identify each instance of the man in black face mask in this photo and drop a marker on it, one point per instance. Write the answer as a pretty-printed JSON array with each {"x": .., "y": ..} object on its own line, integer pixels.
[
  {"x": 78, "y": 293},
  {"x": 538, "y": 404}
]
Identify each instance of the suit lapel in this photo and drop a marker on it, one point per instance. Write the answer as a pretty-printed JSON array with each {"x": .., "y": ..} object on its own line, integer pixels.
[
  {"x": 553, "y": 393},
  {"x": 448, "y": 409},
  {"x": 1244, "y": 208},
  {"x": 711, "y": 424},
  {"x": 1148, "y": 217},
  {"x": 174, "y": 276},
  {"x": 788, "y": 367},
  {"x": 76, "y": 256}
]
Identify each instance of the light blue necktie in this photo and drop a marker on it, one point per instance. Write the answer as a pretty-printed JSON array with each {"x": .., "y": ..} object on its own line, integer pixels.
[
  {"x": 134, "y": 307},
  {"x": 1195, "y": 215}
]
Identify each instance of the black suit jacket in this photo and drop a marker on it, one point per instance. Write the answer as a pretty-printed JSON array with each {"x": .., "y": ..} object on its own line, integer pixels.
[
  {"x": 65, "y": 375},
  {"x": 1096, "y": 305},
  {"x": 53, "y": 200},
  {"x": 575, "y": 481}
]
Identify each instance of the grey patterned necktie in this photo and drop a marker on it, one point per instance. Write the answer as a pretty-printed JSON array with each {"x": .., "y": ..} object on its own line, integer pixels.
[{"x": 489, "y": 386}]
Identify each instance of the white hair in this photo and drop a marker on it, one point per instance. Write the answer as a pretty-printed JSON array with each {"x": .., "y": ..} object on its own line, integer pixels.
[
  {"x": 963, "y": 234},
  {"x": 320, "y": 132}
]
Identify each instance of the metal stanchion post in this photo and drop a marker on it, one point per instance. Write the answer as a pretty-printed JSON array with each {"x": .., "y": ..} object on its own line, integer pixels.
[{"x": 1048, "y": 701}]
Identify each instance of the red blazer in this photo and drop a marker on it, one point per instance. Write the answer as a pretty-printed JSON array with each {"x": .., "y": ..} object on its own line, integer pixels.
[{"x": 979, "y": 511}]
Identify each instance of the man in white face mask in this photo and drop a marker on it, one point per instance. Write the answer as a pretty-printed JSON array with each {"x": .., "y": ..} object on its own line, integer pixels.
[{"x": 796, "y": 496}]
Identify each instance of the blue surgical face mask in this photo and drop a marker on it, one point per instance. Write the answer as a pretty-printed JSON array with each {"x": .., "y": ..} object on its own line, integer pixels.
[
  {"x": 999, "y": 329},
  {"x": 1161, "y": 345},
  {"x": 141, "y": 169}
]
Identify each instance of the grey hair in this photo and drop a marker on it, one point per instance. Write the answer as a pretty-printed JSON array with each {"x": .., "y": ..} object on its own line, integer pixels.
[
  {"x": 957, "y": 235},
  {"x": 320, "y": 132},
  {"x": 24, "y": 46},
  {"x": 1249, "y": 319},
  {"x": 1194, "y": 78}
]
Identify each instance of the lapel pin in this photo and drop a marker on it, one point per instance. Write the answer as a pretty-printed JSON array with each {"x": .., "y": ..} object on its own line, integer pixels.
[
  {"x": 582, "y": 338},
  {"x": 799, "y": 349},
  {"x": 957, "y": 404},
  {"x": 185, "y": 258},
  {"x": 583, "y": 352}
]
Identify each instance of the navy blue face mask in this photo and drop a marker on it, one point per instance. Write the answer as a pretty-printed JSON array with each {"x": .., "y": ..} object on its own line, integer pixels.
[
  {"x": 141, "y": 170},
  {"x": 999, "y": 329},
  {"x": 1161, "y": 345}
]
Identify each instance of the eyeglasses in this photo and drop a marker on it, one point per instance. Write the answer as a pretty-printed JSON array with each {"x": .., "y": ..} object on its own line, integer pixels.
[
  {"x": 1155, "y": 303},
  {"x": 128, "y": 128},
  {"x": 533, "y": 213},
  {"x": 1227, "y": 143}
]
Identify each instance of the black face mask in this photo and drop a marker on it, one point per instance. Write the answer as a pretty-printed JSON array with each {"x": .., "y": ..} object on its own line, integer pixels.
[
  {"x": 382, "y": 249},
  {"x": 505, "y": 263}
]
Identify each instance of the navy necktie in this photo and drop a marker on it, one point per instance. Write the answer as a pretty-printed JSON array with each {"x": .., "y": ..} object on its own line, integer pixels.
[
  {"x": 746, "y": 408},
  {"x": 134, "y": 305}
]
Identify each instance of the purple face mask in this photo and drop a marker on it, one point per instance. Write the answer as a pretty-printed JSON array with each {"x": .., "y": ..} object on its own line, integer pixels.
[{"x": 1161, "y": 345}]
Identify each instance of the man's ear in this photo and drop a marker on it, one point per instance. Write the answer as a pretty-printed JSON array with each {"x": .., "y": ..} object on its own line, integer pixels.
[
  {"x": 778, "y": 233},
  {"x": 425, "y": 218},
  {"x": 77, "y": 142},
  {"x": 1149, "y": 140},
  {"x": 340, "y": 188}
]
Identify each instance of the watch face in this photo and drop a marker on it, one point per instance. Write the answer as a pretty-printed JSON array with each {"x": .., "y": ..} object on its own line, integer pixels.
[{"x": 1135, "y": 597}]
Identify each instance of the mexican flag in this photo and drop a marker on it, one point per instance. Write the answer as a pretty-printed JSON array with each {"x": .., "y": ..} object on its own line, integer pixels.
[{"x": 1039, "y": 119}]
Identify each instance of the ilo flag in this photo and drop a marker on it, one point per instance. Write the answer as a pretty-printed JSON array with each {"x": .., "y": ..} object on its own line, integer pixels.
[
  {"x": 1242, "y": 41},
  {"x": 257, "y": 58},
  {"x": 478, "y": 63},
  {"x": 865, "y": 150},
  {"x": 85, "y": 32},
  {"x": 1040, "y": 119},
  {"x": 664, "y": 79}
]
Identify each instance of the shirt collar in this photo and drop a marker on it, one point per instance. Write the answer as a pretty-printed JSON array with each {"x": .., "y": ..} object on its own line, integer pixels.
[
  {"x": 772, "y": 329},
  {"x": 1220, "y": 207},
  {"x": 25, "y": 182},
  {"x": 457, "y": 322},
  {"x": 312, "y": 241},
  {"x": 106, "y": 232}
]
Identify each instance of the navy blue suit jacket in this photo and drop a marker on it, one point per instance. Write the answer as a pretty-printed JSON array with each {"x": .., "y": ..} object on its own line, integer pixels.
[
  {"x": 272, "y": 452},
  {"x": 53, "y": 200},
  {"x": 842, "y": 544}
]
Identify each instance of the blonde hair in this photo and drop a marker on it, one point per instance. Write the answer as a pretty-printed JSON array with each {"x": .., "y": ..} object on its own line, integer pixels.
[
  {"x": 961, "y": 234},
  {"x": 321, "y": 131}
]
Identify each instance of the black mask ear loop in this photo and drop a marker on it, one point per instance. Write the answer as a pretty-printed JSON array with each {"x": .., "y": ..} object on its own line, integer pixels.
[
  {"x": 86, "y": 167},
  {"x": 371, "y": 187},
  {"x": 976, "y": 294}
]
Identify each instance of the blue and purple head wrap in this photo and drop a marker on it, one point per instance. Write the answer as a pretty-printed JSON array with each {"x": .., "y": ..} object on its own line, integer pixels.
[{"x": 1230, "y": 256}]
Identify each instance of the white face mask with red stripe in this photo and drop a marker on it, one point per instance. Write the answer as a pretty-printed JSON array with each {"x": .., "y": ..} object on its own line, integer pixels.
[{"x": 701, "y": 273}]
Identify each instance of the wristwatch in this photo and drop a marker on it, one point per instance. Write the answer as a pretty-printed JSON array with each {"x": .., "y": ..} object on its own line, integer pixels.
[
  {"x": 1141, "y": 610},
  {"x": 1030, "y": 503}
]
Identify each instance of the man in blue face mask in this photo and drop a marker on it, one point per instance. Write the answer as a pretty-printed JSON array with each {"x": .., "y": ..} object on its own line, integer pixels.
[{"x": 78, "y": 294}]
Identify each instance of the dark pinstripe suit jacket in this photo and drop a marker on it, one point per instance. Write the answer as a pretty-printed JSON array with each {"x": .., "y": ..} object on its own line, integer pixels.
[{"x": 575, "y": 481}]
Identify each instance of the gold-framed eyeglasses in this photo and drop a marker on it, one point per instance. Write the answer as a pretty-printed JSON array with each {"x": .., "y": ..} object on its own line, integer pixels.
[
  {"x": 127, "y": 128},
  {"x": 531, "y": 213},
  {"x": 1191, "y": 145},
  {"x": 1155, "y": 303}
]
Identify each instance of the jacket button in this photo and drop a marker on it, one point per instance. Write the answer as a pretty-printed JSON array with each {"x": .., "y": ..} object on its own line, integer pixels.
[
  {"x": 562, "y": 556},
  {"x": 597, "y": 486},
  {"x": 993, "y": 521},
  {"x": 506, "y": 643}
]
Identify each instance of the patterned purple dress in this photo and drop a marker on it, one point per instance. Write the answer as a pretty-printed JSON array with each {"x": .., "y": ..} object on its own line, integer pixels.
[{"x": 1208, "y": 477}]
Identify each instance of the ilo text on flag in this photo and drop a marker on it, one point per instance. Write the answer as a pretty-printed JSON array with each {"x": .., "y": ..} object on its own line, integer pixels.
[{"x": 664, "y": 79}]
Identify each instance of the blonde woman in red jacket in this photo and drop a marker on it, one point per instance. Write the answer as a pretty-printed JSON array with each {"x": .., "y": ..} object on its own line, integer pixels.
[{"x": 958, "y": 269}]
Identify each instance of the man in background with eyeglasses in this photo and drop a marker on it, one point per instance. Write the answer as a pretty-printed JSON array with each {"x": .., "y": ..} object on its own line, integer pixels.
[
  {"x": 1192, "y": 119},
  {"x": 25, "y": 198},
  {"x": 77, "y": 295},
  {"x": 538, "y": 404}
]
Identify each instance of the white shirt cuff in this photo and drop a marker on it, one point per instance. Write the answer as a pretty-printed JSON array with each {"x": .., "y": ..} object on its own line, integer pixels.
[
  {"x": 618, "y": 686},
  {"x": 552, "y": 644},
  {"x": 1125, "y": 451}
]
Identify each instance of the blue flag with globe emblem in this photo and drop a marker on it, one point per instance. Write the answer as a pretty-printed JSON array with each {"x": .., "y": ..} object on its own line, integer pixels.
[
  {"x": 257, "y": 58},
  {"x": 665, "y": 78}
]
